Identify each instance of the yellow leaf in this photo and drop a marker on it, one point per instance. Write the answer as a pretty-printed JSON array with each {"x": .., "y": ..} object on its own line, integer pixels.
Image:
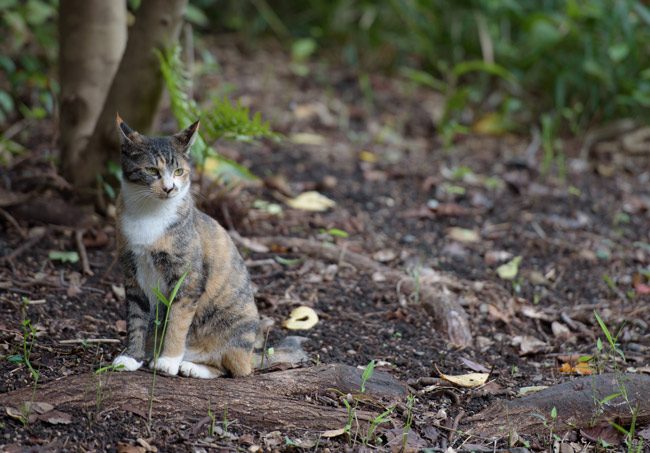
[
  {"x": 509, "y": 270},
  {"x": 301, "y": 318},
  {"x": 367, "y": 156},
  {"x": 463, "y": 235},
  {"x": 491, "y": 124},
  {"x": 469, "y": 380},
  {"x": 311, "y": 201}
]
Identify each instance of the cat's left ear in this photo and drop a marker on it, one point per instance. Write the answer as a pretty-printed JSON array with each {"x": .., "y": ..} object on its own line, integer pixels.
[{"x": 186, "y": 138}]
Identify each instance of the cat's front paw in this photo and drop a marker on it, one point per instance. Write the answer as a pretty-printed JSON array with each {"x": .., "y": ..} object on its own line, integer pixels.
[
  {"x": 168, "y": 365},
  {"x": 126, "y": 363}
]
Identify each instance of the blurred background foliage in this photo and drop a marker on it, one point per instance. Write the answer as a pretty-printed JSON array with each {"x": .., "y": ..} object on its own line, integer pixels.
[{"x": 560, "y": 64}]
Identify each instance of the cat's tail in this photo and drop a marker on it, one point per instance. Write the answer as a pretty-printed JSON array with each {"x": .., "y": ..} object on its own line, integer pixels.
[{"x": 289, "y": 351}]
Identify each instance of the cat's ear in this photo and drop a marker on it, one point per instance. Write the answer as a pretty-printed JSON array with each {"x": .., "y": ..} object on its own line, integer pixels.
[
  {"x": 127, "y": 135},
  {"x": 186, "y": 138}
]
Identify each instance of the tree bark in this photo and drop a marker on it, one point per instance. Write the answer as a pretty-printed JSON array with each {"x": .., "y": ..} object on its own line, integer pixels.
[
  {"x": 136, "y": 89},
  {"x": 92, "y": 37},
  {"x": 580, "y": 403},
  {"x": 279, "y": 400}
]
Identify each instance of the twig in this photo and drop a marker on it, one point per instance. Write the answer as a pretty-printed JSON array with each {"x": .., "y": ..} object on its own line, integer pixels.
[
  {"x": 78, "y": 237},
  {"x": 24, "y": 247},
  {"x": 90, "y": 340},
  {"x": 14, "y": 223},
  {"x": 454, "y": 426}
]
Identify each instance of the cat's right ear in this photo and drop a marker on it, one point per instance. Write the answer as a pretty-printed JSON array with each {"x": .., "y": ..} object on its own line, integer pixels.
[{"x": 127, "y": 135}]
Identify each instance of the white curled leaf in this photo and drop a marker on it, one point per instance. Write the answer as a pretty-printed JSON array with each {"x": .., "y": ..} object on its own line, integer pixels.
[
  {"x": 311, "y": 201},
  {"x": 301, "y": 318}
]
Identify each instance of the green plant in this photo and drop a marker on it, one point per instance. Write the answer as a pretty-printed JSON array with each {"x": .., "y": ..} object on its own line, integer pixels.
[
  {"x": 633, "y": 445},
  {"x": 99, "y": 385},
  {"x": 576, "y": 61},
  {"x": 27, "y": 57},
  {"x": 213, "y": 420},
  {"x": 410, "y": 401},
  {"x": 220, "y": 119},
  {"x": 160, "y": 339}
]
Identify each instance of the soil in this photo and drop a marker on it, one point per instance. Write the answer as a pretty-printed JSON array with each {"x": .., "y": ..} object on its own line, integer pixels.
[{"x": 584, "y": 243}]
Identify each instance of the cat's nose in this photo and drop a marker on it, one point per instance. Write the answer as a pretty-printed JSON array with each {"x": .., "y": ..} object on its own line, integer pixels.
[{"x": 168, "y": 189}]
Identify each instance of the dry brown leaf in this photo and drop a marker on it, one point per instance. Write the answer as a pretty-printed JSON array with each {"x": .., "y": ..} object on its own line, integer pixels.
[
  {"x": 469, "y": 380},
  {"x": 333, "y": 432}
]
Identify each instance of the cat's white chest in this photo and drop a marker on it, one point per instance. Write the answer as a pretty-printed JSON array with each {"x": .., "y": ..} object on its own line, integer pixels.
[{"x": 148, "y": 276}]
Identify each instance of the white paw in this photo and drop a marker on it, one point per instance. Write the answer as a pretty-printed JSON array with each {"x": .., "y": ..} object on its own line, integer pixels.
[
  {"x": 168, "y": 365},
  {"x": 127, "y": 363},
  {"x": 196, "y": 370}
]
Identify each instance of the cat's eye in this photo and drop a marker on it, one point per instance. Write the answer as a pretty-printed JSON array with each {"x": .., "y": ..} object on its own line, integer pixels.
[
  {"x": 152, "y": 171},
  {"x": 179, "y": 172}
]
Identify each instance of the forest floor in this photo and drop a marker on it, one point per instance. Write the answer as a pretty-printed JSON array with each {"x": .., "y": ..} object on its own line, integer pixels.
[{"x": 401, "y": 199}]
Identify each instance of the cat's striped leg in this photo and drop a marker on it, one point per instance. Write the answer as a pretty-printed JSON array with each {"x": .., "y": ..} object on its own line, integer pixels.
[
  {"x": 138, "y": 319},
  {"x": 178, "y": 325}
]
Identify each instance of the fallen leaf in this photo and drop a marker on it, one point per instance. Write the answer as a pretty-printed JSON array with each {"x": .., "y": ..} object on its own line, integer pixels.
[
  {"x": 307, "y": 138},
  {"x": 509, "y": 270},
  {"x": 56, "y": 418},
  {"x": 604, "y": 432},
  {"x": 463, "y": 235},
  {"x": 560, "y": 330},
  {"x": 529, "y": 344},
  {"x": 311, "y": 201},
  {"x": 581, "y": 368},
  {"x": 39, "y": 407},
  {"x": 523, "y": 391},
  {"x": 368, "y": 156},
  {"x": 474, "y": 366},
  {"x": 469, "y": 380},
  {"x": 497, "y": 256},
  {"x": 384, "y": 256},
  {"x": 123, "y": 447},
  {"x": 120, "y": 326},
  {"x": 119, "y": 291},
  {"x": 64, "y": 257},
  {"x": 333, "y": 433},
  {"x": 301, "y": 318}
]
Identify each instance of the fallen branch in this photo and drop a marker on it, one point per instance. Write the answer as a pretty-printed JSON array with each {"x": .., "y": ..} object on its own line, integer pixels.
[
  {"x": 433, "y": 293},
  {"x": 279, "y": 400},
  {"x": 583, "y": 402}
]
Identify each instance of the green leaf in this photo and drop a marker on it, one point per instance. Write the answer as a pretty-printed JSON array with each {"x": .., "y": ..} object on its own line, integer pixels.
[
  {"x": 196, "y": 16},
  {"x": 509, "y": 270},
  {"x": 64, "y": 257},
  {"x": 303, "y": 48},
  {"x": 337, "y": 233},
  {"x": 160, "y": 296},
  {"x": 16, "y": 358},
  {"x": 618, "y": 52},
  {"x": 367, "y": 374},
  {"x": 177, "y": 287},
  {"x": 481, "y": 66},
  {"x": 287, "y": 261}
]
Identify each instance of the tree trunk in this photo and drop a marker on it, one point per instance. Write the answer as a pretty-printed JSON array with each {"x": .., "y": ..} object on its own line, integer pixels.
[
  {"x": 277, "y": 400},
  {"x": 136, "y": 89},
  {"x": 92, "y": 37}
]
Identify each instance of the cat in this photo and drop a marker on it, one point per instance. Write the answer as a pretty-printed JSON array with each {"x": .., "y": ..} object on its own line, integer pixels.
[{"x": 161, "y": 235}]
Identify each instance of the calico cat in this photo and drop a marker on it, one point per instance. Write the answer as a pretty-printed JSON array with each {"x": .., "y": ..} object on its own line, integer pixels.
[{"x": 161, "y": 235}]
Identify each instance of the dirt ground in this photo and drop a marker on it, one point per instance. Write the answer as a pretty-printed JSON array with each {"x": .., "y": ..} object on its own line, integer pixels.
[{"x": 401, "y": 197}]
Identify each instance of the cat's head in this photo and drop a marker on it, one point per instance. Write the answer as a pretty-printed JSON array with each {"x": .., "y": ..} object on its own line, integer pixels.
[{"x": 158, "y": 166}]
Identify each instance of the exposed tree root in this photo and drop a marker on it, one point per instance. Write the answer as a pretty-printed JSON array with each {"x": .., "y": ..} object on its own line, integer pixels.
[
  {"x": 279, "y": 400},
  {"x": 581, "y": 403},
  {"x": 434, "y": 292}
]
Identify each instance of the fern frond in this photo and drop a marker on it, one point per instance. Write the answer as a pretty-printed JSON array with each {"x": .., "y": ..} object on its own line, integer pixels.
[{"x": 221, "y": 120}]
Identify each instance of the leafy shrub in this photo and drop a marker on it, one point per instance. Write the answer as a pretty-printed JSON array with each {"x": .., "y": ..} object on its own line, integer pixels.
[{"x": 578, "y": 61}]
